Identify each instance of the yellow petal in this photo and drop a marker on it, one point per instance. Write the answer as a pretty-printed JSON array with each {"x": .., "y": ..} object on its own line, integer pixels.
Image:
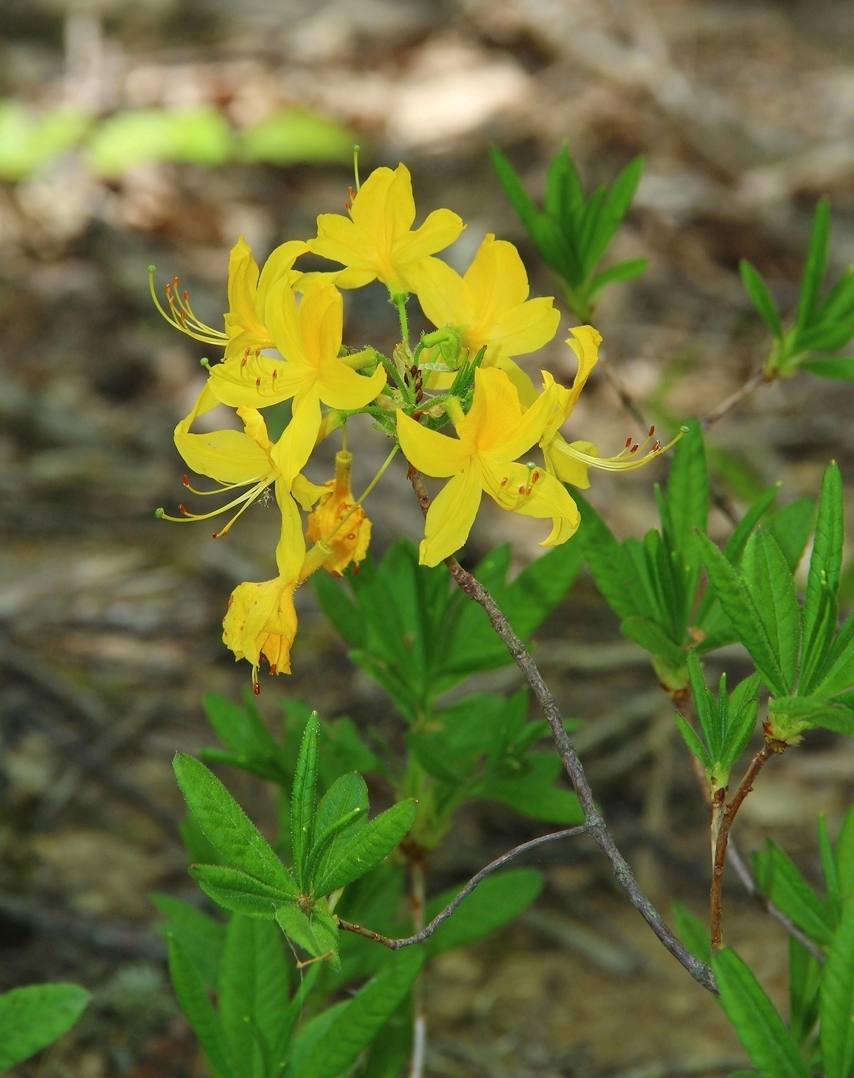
[
  {"x": 282, "y": 319},
  {"x": 443, "y": 294},
  {"x": 341, "y": 387},
  {"x": 440, "y": 229},
  {"x": 384, "y": 205},
  {"x": 586, "y": 348},
  {"x": 523, "y": 382},
  {"x": 321, "y": 321},
  {"x": 294, "y": 447},
  {"x": 290, "y": 551},
  {"x": 258, "y": 381},
  {"x": 567, "y": 468},
  {"x": 242, "y": 284},
  {"x": 522, "y": 329},
  {"x": 429, "y": 451},
  {"x": 307, "y": 493},
  {"x": 531, "y": 493},
  {"x": 519, "y": 439},
  {"x": 341, "y": 240},
  {"x": 450, "y": 517},
  {"x": 255, "y": 427},
  {"x": 497, "y": 279},
  {"x": 351, "y": 277},
  {"x": 261, "y": 619},
  {"x": 225, "y": 455}
]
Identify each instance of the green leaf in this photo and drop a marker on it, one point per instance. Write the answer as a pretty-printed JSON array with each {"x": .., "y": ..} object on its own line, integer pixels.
[
  {"x": 836, "y": 1006},
  {"x": 828, "y": 868},
  {"x": 252, "y": 992},
  {"x": 315, "y": 932},
  {"x": 607, "y": 561},
  {"x": 692, "y": 932},
  {"x": 235, "y": 890},
  {"x": 691, "y": 739},
  {"x": 339, "y": 609},
  {"x": 742, "y": 723},
  {"x": 368, "y": 848},
  {"x": 786, "y": 887},
  {"x": 738, "y": 605},
  {"x": 356, "y": 1024},
  {"x": 845, "y": 855},
  {"x": 200, "y": 936},
  {"x": 614, "y": 208},
  {"x": 736, "y": 543},
  {"x": 252, "y": 746},
  {"x": 295, "y": 136},
  {"x": 653, "y": 637},
  {"x": 530, "y": 790},
  {"x": 688, "y": 488},
  {"x": 199, "y": 1012},
  {"x": 825, "y": 337},
  {"x": 135, "y": 136},
  {"x": 227, "y": 826},
  {"x": 839, "y": 301},
  {"x": 303, "y": 800},
  {"x": 33, "y": 1017},
  {"x": 805, "y": 974},
  {"x": 620, "y": 271},
  {"x": 762, "y": 298},
  {"x": 811, "y": 711},
  {"x": 344, "y": 802},
  {"x": 823, "y": 578},
  {"x": 492, "y": 904},
  {"x": 757, "y": 1024},
  {"x": 769, "y": 582},
  {"x": 391, "y": 1047},
  {"x": 841, "y": 367},
  {"x": 556, "y": 249},
  {"x": 514, "y": 189},
  {"x": 791, "y": 526},
  {"x": 815, "y": 265}
]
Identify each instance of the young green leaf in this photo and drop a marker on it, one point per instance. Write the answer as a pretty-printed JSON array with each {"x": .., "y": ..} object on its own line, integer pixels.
[
  {"x": 355, "y": 1024},
  {"x": 805, "y": 974},
  {"x": 367, "y": 848},
  {"x": 303, "y": 800},
  {"x": 620, "y": 271},
  {"x": 769, "y": 582},
  {"x": 653, "y": 637},
  {"x": 692, "y": 932},
  {"x": 757, "y": 1024},
  {"x": 237, "y": 891},
  {"x": 814, "y": 268},
  {"x": 315, "y": 932},
  {"x": 807, "y": 711},
  {"x": 496, "y": 901},
  {"x": 530, "y": 790},
  {"x": 836, "y": 1006},
  {"x": 514, "y": 189},
  {"x": 840, "y": 367},
  {"x": 33, "y": 1017},
  {"x": 691, "y": 739},
  {"x": 199, "y": 1012},
  {"x": 845, "y": 855},
  {"x": 823, "y": 578},
  {"x": 614, "y": 208},
  {"x": 734, "y": 548},
  {"x": 227, "y": 826},
  {"x": 344, "y": 802},
  {"x": 762, "y": 298},
  {"x": 200, "y": 936},
  {"x": 828, "y": 868},
  {"x": 791, "y": 526},
  {"x": 786, "y": 887},
  {"x": 252, "y": 992},
  {"x": 688, "y": 489}
]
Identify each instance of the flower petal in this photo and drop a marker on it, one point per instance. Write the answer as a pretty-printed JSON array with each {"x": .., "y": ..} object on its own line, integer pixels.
[
  {"x": 294, "y": 447},
  {"x": 429, "y": 451},
  {"x": 341, "y": 240},
  {"x": 290, "y": 551},
  {"x": 228, "y": 456},
  {"x": 586, "y": 348},
  {"x": 384, "y": 205},
  {"x": 242, "y": 283},
  {"x": 495, "y": 410},
  {"x": 538, "y": 494},
  {"x": 341, "y": 387},
  {"x": 522, "y": 329},
  {"x": 443, "y": 294},
  {"x": 321, "y": 322},
  {"x": 567, "y": 468},
  {"x": 258, "y": 381},
  {"x": 282, "y": 319},
  {"x": 279, "y": 265},
  {"x": 497, "y": 279},
  {"x": 440, "y": 229},
  {"x": 517, "y": 440},
  {"x": 450, "y": 517}
]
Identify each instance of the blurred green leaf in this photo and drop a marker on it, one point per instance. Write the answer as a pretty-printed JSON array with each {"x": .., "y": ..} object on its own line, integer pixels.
[
  {"x": 200, "y": 936},
  {"x": 33, "y": 1017},
  {"x": 28, "y": 141},
  {"x": 836, "y": 1006},
  {"x": 494, "y": 902},
  {"x": 841, "y": 367},
  {"x": 762, "y": 299},
  {"x": 200, "y": 135},
  {"x": 295, "y": 136}
]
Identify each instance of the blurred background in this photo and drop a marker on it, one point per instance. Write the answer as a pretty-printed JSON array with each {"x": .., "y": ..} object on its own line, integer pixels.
[{"x": 156, "y": 133}]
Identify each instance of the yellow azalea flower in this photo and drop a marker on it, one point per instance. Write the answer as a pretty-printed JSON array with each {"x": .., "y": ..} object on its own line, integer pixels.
[
  {"x": 377, "y": 239},
  {"x": 488, "y": 305},
  {"x": 349, "y": 542},
  {"x": 261, "y": 621},
  {"x": 247, "y": 295},
  {"x": 493, "y": 434},
  {"x": 309, "y": 338}
]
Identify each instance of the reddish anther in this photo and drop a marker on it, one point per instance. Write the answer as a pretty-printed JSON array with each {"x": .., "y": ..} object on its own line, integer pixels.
[
  {"x": 256, "y": 688},
  {"x": 628, "y": 441},
  {"x": 634, "y": 448},
  {"x": 185, "y": 479},
  {"x": 651, "y": 432},
  {"x": 182, "y": 509}
]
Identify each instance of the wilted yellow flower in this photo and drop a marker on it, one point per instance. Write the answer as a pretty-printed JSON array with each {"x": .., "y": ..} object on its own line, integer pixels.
[
  {"x": 377, "y": 239},
  {"x": 261, "y": 621},
  {"x": 349, "y": 542},
  {"x": 488, "y": 305},
  {"x": 493, "y": 434},
  {"x": 309, "y": 337},
  {"x": 247, "y": 295}
]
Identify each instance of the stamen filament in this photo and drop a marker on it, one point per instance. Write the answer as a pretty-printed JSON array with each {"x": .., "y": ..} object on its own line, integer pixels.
[
  {"x": 246, "y": 498},
  {"x": 626, "y": 460},
  {"x": 199, "y": 330}
]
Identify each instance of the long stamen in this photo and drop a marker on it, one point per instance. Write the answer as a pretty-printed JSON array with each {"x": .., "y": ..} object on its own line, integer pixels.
[
  {"x": 628, "y": 458},
  {"x": 244, "y": 499},
  {"x": 222, "y": 487},
  {"x": 178, "y": 314}
]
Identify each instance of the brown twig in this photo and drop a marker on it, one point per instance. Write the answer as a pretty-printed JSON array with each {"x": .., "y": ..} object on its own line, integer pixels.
[
  {"x": 594, "y": 824},
  {"x": 757, "y": 379},
  {"x": 726, "y": 821},
  {"x": 427, "y": 931}
]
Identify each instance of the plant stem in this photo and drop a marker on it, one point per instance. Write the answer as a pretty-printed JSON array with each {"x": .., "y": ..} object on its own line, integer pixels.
[
  {"x": 727, "y": 817},
  {"x": 419, "y": 1027},
  {"x": 757, "y": 379},
  {"x": 593, "y": 822},
  {"x": 427, "y": 931},
  {"x": 400, "y": 302}
]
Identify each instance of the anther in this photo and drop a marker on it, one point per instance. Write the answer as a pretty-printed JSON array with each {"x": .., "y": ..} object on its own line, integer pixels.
[
  {"x": 272, "y": 668},
  {"x": 182, "y": 509},
  {"x": 185, "y": 479},
  {"x": 651, "y": 432},
  {"x": 634, "y": 448},
  {"x": 256, "y": 688},
  {"x": 351, "y": 192},
  {"x": 215, "y": 535},
  {"x": 656, "y": 446},
  {"x": 504, "y": 481},
  {"x": 257, "y": 381},
  {"x": 628, "y": 441},
  {"x": 347, "y": 206}
]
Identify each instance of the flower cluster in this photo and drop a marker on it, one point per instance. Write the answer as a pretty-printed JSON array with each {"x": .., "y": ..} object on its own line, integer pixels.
[{"x": 461, "y": 377}]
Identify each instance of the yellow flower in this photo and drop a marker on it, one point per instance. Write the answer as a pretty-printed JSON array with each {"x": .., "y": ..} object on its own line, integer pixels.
[
  {"x": 247, "y": 294},
  {"x": 261, "y": 621},
  {"x": 350, "y": 542},
  {"x": 488, "y": 306},
  {"x": 377, "y": 239},
  {"x": 309, "y": 338},
  {"x": 490, "y": 437}
]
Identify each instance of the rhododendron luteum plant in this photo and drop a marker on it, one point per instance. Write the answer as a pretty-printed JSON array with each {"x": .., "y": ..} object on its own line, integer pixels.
[{"x": 459, "y": 378}]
